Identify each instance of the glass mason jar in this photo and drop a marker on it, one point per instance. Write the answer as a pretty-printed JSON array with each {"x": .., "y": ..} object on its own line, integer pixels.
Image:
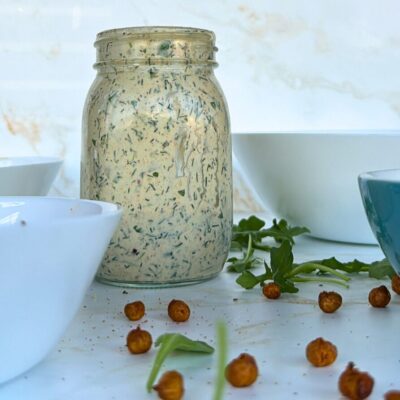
[{"x": 156, "y": 140}]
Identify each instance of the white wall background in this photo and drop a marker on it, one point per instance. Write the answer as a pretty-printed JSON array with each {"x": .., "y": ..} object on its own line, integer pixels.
[{"x": 293, "y": 64}]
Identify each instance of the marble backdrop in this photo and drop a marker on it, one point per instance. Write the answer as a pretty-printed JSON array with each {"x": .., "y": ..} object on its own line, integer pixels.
[{"x": 284, "y": 65}]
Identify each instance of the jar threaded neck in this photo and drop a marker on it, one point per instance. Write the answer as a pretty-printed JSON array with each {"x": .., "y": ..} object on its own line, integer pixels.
[{"x": 155, "y": 45}]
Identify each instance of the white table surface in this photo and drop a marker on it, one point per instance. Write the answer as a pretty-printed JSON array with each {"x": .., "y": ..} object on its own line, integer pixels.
[{"x": 92, "y": 361}]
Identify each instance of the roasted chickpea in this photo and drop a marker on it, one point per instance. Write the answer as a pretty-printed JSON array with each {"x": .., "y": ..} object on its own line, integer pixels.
[
  {"x": 242, "y": 371},
  {"x": 329, "y": 302},
  {"x": 170, "y": 386},
  {"x": 355, "y": 385},
  {"x": 392, "y": 395},
  {"x": 139, "y": 341},
  {"x": 134, "y": 311},
  {"x": 379, "y": 297},
  {"x": 271, "y": 291},
  {"x": 178, "y": 311},
  {"x": 321, "y": 353},
  {"x": 396, "y": 284}
]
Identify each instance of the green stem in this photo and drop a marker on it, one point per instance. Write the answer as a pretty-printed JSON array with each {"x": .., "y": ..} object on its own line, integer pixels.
[
  {"x": 344, "y": 267},
  {"x": 166, "y": 348},
  {"x": 263, "y": 277},
  {"x": 321, "y": 280},
  {"x": 249, "y": 252},
  {"x": 262, "y": 247},
  {"x": 222, "y": 360},
  {"x": 308, "y": 267}
]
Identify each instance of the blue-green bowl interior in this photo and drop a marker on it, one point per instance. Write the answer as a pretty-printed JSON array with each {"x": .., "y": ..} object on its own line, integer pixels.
[{"x": 380, "y": 192}]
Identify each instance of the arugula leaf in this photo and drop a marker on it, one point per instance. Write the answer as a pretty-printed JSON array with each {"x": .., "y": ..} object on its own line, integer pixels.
[
  {"x": 281, "y": 231},
  {"x": 268, "y": 270},
  {"x": 287, "y": 286},
  {"x": 245, "y": 263},
  {"x": 251, "y": 224},
  {"x": 381, "y": 269},
  {"x": 281, "y": 259},
  {"x": 252, "y": 227},
  {"x": 354, "y": 266},
  {"x": 247, "y": 228},
  {"x": 376, "y": 269},
  {"x": 280, "y": 271},
  {"x": 248, "y": 280},
  {"x": 281, "y": 266},
  {"x": 170, "y": 342},
  {"x": 184, "y": 343}
]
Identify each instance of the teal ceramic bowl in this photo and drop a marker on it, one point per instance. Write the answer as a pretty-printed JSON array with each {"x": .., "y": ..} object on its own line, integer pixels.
[{"x": 380, "y": 192}]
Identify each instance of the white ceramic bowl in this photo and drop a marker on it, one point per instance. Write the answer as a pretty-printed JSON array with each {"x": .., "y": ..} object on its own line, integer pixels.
[
  {"x": 27, "y": 176},
  {"x": 50, "y": 249},
  {"x": 310, "y": 178}
]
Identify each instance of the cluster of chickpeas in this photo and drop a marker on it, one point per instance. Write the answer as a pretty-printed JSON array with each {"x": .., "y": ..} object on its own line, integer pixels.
[
  {"x": 243, "y": 371},
  {"x": 329, "y": 302},
  {"x": 240, "y": 372},
  {"x": 378, "y": 297},
  {"x": 139, "y": 341},
  {"x": 353, "y": 384}
]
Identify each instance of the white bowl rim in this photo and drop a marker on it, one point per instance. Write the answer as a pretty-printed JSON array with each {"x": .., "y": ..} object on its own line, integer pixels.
[
  {"x": 322, "y": 132},
  {"x": 107, "y": 209},
  {"x": 15, "y": 162},
  {"x": 382, "y": 175}
]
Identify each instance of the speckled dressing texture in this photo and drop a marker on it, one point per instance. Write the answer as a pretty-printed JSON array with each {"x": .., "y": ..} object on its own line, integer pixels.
[{"x": 156, "y": 140}]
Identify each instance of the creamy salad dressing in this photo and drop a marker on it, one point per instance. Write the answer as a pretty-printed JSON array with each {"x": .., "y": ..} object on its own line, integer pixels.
[{"x": 156, "y": 140}]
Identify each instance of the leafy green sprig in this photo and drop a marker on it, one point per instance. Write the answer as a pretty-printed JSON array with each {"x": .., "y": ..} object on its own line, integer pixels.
[
  {"x": 282, "y": 269},
  {"x": 285, "y": 273},
  {"x": 254, "y": 227},
  {"x": 249, "y": 234}
]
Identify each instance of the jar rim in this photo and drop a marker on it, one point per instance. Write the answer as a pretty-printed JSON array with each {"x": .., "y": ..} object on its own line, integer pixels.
[{"x": 154, "y": 31}]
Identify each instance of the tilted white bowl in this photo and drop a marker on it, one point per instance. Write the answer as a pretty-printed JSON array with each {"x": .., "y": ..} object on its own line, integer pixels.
[
  {"x": 310, "y": 178},
  {"x": 27, "y": 176},
  {"x": 50, "y": 250}
]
